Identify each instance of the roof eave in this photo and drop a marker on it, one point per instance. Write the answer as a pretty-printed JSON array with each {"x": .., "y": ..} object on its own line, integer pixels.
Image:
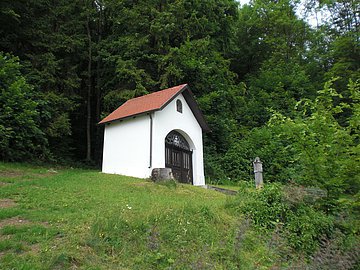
[
  {"x": 190, "y": 99},
  {"x": 126, "y": 117}
]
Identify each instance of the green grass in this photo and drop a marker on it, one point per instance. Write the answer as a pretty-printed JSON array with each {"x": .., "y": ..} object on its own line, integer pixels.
[{"x": 84, "y": 219}]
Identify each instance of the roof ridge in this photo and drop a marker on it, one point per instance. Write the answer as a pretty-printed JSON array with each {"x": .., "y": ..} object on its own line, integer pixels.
[{"x": 157, "y": 92}]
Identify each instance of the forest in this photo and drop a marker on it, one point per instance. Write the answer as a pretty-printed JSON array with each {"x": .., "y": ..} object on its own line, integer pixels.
[{"x": 271, "y": 82}]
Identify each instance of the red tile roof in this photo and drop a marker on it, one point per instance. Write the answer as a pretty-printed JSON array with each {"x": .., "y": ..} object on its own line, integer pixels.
[{"x": 151, "y": 102}]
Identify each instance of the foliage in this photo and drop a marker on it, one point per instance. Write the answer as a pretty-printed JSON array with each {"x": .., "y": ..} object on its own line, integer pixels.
[
  {"x": 312, "y": 148},
  {"x": 303, "y": 225},
  {"x": 275, "y": 152},
  {"x": 254, "y": 70},
  {"x": 306, "y": 226},
  {"x": 323, "y": 147},
  {"x": 20, "y": 133},
  {"x": 85, "y": 58},
  {"x": 265, "y": 207}
]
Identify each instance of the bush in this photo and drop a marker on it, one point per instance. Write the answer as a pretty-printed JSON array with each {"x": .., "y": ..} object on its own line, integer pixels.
[
  {"x": 302, "y": 224},
  {"x": 265, "y": 207},
  {"x": 305, "y": 227}
]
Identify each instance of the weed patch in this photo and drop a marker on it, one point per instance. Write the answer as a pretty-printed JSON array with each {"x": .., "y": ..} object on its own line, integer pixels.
[
  {"x": 15, "y": 221},
  {"x": 6, "y": 203},
  {"x": 64, "y": 261},
  {"x": 11, "y": 174}
]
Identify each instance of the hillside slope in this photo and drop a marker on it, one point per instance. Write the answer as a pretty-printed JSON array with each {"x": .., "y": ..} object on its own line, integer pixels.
[
  {"x": 83, "y": 219},
  {"x": 68, "y": 218}
]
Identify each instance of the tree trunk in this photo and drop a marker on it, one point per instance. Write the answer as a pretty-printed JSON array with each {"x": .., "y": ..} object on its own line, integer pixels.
[
  {"x": 99, "y": 130},
  {"x": 88, "y": 101},
  {"x": 98, "y": 84}
]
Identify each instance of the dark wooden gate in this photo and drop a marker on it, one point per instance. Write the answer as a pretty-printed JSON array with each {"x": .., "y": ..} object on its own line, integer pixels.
[{"x": 178, "y": 157}]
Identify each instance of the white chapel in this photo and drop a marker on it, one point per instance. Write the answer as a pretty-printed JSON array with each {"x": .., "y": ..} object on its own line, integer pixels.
[{"x": 159, "y": 130}]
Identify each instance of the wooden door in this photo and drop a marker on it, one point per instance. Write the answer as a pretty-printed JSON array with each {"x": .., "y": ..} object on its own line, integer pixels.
[{"x": 178, "y": 157}]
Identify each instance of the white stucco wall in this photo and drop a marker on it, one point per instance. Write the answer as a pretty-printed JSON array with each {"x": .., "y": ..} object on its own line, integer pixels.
[
  {"x": 126, "y": 147},
  {"x": 127, "y": 143},
  {"x": 185, "y": 123}
]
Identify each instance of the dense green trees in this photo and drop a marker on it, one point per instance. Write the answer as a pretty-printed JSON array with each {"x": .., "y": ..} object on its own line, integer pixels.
[
  {"x": 20, "y": 133},
  {"x": 310, "y": 148},
  {"x": 245, "y": 65},
  {"x": 269, "y": 84}
]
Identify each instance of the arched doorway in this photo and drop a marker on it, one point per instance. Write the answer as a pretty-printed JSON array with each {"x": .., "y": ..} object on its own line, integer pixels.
[{"x": 178, "y": 157}]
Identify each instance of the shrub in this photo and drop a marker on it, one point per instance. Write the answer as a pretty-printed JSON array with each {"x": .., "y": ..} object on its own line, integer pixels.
[
  {"x": 305, "y": 226},
  {"x": 302, "y": 224},
  {"x": 265, "y": 207}
]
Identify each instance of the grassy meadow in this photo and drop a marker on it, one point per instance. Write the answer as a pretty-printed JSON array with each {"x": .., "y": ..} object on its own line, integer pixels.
[
  {"x": 65, "y": 218},
  {"x": 83, "y": 219}
]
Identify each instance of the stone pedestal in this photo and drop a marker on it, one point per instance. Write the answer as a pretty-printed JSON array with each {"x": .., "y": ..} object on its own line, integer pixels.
[
  {"x": 258, "y": 170},
  {"x": 161, "y": 174}
]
